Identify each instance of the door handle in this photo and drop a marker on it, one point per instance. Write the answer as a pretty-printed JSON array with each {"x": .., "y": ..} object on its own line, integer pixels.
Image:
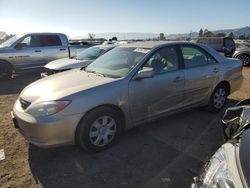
[
  {"x": 37, "y": 50},
  {"x": 178, "y": 79},
  {"x": 62, "y": 49}
]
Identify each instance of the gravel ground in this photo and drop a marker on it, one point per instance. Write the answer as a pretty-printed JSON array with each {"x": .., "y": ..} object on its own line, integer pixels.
[{"x": 164, "y": 153}]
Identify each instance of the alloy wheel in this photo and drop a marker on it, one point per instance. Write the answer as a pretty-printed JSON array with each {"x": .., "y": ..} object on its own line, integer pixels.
[
  {"x": 102, "y": 131},
  {"x": 245, "y": 59},
  {"x": 219, "y": 98}
]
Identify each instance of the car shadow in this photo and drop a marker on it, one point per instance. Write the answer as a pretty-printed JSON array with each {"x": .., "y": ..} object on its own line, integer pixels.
[
  {"x": 15, "y": 85},
  {"x": 164, "y": 153}
]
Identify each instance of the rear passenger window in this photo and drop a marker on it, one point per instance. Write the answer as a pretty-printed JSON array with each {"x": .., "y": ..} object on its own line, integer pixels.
[
  {"x": 164, "y": 60},
  {"x": 194, "y": 57},
  {"x": 50, "y": 40}
]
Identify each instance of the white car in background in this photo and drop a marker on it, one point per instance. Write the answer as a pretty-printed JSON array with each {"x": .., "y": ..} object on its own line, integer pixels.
[{"x": 82, "y": 60}]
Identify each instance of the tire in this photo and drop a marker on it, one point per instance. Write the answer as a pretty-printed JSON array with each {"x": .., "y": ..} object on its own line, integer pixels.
[
  {"x": 245, "y": 59},
  {"x": 5, "y": 71},
  {"x": 218, "y": 98},
  {"x": 98, "y": 129}
]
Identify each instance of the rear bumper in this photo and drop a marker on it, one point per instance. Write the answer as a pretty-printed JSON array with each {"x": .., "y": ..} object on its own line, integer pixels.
[{"x": 47, "y": 131}]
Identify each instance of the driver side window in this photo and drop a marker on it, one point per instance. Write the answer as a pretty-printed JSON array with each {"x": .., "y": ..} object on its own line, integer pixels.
[
  {"x": 25, "y": 42},
  {"x": 163, "y": 60}
]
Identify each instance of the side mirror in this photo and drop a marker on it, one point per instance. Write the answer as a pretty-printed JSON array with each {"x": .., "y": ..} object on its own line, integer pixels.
[
  {"x": 21, "y": 45},
  {"x": 144, "y": 74}
]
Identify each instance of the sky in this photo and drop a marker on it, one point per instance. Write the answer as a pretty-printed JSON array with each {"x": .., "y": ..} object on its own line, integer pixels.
[{"x": 79, "y": 17}]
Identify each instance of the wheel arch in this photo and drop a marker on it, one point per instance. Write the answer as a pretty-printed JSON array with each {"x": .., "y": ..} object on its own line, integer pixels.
[
  {"x": 112, "y": 106},
  {"x": 227, "y": 84},
  {"x": 8, "y": 63}
]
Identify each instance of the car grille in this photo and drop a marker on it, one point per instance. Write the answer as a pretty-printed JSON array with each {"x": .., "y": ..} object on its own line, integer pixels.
[{"x": 24, "y": 104}]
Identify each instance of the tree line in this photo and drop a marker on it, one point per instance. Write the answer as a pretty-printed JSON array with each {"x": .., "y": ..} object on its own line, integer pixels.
[{"x": 207, "y": 33}]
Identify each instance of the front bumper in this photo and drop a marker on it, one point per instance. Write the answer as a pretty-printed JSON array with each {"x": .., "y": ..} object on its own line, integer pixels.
[{"x": 47, "y": 131}]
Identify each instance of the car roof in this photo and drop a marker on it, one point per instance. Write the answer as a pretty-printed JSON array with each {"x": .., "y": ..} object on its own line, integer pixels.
[
  {"x": 45, "y": 33},
  {"x": 151, "y": 44}
]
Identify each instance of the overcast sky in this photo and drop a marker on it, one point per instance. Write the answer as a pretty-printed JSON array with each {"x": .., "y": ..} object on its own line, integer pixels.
[{"x": 78, "y": 17}]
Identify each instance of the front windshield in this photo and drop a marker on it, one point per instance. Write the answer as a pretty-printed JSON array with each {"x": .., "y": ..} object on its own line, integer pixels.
[
  {"x": 117, "y": 62},
  {"x": 10, "y": 41},
  {"x": 91, "y": 53}
]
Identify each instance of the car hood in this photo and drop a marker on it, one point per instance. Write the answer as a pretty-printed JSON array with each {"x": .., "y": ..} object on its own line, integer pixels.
[
  {"x": 67, "y": 63},
  {"x": 63, "y": 84}
]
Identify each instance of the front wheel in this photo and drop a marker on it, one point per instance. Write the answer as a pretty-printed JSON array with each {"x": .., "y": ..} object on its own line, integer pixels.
[
  {"x": 98, "y": 129},
  {"x": 5, "y": 71},
  {"x": 218, "y": 98}
]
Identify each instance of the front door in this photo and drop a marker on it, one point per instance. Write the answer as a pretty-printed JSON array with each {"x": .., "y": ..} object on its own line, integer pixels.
[
  {"x": 28, "y": 53},
  {"x": 152, "y": 97}
]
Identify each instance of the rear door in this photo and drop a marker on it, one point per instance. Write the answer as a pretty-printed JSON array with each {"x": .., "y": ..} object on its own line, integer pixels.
[
  {"x": 201, "y": 74},
  {"x": 152, "y": 97},
  {"x": 52, "y": 47}
]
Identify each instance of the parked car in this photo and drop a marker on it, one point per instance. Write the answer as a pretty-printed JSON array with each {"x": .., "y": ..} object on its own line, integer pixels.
[
  {"x": 82, "y": 60},
  {"x": 230, "y": 166},
  {"x": 224, "y": 45},
  {"x": 129, "y": 85},
  {"x": 243, "y": 53},
  {"x": 32, "y": 51}
]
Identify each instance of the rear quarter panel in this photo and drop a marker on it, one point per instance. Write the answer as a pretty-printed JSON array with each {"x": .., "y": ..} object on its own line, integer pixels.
[{"x": 232, "y": 73}]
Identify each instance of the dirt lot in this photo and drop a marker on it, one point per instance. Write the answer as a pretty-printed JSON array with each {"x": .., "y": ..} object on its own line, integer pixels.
[{"x": 165, "y": 153}]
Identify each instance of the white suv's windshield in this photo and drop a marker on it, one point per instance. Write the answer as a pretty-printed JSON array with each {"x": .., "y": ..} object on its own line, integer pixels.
[
  {"x": 117, "y": 62},
  {"x": 91, "y": 53}
]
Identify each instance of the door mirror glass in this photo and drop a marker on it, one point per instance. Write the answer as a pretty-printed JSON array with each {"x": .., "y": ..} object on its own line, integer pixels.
[{"x": 149, "y": 73}]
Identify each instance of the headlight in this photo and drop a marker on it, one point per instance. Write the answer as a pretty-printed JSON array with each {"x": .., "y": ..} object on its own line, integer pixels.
[
  {"x": 46, "y": 108},
  {"x": 217, "y": 173}
]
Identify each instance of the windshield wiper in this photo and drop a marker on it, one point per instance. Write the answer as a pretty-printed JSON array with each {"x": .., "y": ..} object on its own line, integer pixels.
[{"x": 96, "y": 73}]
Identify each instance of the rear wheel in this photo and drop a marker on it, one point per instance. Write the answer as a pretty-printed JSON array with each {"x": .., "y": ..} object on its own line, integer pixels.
[
  {"x": 245, "y": 59},
  {"x": 5, "y": 71},
  {"x": 98, "y": 129},
  {"x": 218, "y": 98}
]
